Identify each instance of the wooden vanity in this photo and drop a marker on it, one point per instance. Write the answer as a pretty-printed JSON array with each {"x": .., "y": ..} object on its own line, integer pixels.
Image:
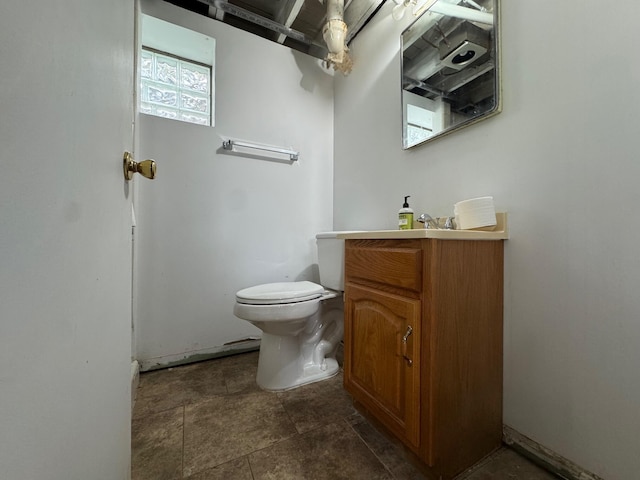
[{"x": 423, "y": 343}]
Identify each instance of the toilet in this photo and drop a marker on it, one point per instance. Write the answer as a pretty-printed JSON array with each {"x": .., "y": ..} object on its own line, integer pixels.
[{"x": 302, "y": 322}]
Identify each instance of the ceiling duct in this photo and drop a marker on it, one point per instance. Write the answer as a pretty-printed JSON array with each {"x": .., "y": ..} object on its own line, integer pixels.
[{"x": 464, "y": 46}]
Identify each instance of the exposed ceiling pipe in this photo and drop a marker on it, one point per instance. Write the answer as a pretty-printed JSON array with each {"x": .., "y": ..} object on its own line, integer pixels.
[
  {"x": 465, "y": 13},
  {"x": 334, "y": 34}
]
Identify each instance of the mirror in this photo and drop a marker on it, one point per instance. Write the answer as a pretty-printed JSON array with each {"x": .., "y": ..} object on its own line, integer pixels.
[{"x": 450, "y": 75}]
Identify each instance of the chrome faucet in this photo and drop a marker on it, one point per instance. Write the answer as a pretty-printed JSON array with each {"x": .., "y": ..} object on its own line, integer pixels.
[
  {"x": 430, "y": 222},
  {"x": 448, "y": 224}
]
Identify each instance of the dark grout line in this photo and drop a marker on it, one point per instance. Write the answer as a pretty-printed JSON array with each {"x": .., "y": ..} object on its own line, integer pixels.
[
  {"x": 253, "y": 477},
  {"x": 481, "y": 464},
  {"x": 183, "y": 429},
  {"x": 144, "y": 416},
  {"x": 369, "y": 448},
  {"x": 280, "y": 400}
]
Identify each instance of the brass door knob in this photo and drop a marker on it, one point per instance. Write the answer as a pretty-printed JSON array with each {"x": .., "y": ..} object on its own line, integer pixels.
[{"x": 146, "y": 168}]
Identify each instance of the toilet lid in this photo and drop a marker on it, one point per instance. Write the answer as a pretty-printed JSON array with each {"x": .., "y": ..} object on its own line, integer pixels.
[{"x": 277, "y": 293}]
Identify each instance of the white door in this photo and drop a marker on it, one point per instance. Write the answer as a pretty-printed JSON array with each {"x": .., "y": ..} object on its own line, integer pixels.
[{"x": 66, "y": 113}]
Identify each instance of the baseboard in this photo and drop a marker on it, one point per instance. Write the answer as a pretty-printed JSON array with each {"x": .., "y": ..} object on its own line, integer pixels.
[
  {"x": 166, "y": 361},
  {"x": 544, "y": 457},
  {"x": 135, "y": 381}
]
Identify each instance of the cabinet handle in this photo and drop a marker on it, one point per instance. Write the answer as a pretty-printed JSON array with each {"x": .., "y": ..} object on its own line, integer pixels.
[
  {"x": 404, "y": 345},
  {"x": 406, "y": 335}
]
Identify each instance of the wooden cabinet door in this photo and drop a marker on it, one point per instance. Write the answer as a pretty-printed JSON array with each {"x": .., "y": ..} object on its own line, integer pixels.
[{"x": 382, "y": 358}]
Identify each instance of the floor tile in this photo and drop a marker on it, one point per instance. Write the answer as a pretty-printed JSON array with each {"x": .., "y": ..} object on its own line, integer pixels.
[
  {"x": 238, "y": 469},
  {"x": 228, "y": 427},
  {"x": 203, "y": 380},
  {"x": 390, "y": 453},
  {"x": 331, "y": 452},
  {"x": 156, "y": 445},
  {"x": 239, "y": 372},
  {"x": 316, "y": 404},
  {"x": 210, "y": 421},
  {"x": 158, "y": 390},
  {"x": 168, "y": 388},
  {"x": 507, "y": 464}
]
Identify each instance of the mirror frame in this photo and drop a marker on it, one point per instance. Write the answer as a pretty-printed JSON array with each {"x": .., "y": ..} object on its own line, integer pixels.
[{"x": 495, "y": 50}]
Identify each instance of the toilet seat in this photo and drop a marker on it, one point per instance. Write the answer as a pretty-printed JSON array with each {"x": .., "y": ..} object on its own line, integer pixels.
[{"x": 280, "y": 293}]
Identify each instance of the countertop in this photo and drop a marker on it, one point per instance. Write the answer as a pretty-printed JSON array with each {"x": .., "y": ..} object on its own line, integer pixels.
[{"x": 500, "y": 232}]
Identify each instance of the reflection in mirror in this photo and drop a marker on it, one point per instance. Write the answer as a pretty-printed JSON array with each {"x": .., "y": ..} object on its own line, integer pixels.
[{"x": 450, "y": 69}]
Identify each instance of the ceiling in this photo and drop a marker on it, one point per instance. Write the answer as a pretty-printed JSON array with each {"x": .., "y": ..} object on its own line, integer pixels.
[{"x": 294, "y": 23}]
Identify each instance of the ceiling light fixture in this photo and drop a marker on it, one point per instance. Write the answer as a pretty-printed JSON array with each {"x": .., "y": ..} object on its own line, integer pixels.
[{"x": 401, "y": 6}]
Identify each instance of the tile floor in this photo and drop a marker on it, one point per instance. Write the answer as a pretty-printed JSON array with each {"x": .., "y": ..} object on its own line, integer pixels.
[{"x": 210, "y": 421}]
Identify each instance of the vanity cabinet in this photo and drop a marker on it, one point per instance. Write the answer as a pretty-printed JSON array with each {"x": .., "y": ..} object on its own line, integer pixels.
[{"x": 423, "y": 344}]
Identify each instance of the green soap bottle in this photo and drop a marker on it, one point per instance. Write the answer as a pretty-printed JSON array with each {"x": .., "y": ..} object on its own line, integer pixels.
[{"x": 405, "y": 216}]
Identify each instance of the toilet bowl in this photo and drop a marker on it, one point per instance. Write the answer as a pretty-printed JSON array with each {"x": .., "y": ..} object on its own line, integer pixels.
[{"x": 301, "y": 322}]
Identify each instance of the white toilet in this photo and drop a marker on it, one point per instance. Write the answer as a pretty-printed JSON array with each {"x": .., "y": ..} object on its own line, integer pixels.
[{"x": 302, "y": 322}]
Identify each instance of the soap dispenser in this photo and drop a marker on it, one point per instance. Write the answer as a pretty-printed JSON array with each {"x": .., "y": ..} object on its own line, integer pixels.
[{"x": 405, "y": 216}]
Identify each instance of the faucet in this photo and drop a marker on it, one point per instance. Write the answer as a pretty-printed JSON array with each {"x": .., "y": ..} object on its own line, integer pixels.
[
  {"x": 448, "y": 224},
  {"x": 430, "y": 222}
]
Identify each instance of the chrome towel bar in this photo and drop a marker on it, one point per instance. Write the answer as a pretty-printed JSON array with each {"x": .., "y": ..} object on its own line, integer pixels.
[{"x": 229, "y": 144}]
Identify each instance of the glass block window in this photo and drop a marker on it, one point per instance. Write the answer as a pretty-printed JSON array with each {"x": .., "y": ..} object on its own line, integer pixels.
[{"x": 172, "y": 87}]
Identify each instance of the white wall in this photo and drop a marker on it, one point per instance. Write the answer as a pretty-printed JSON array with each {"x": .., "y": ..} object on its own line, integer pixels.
[
  {"x": 212, "y": 223},
  {"x": 562, "y": 160}
]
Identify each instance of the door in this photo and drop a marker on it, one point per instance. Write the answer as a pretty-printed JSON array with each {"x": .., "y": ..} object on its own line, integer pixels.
[
  {"x": 382, "y": 362},
  {"x": 66, "y": 115}
]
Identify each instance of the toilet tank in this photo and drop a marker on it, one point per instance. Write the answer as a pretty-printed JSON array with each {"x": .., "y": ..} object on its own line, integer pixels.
[{"x": 331, "y": 260}]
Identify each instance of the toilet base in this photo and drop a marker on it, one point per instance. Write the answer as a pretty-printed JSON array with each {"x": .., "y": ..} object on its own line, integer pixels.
[{"x": 281, "y": 365}]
